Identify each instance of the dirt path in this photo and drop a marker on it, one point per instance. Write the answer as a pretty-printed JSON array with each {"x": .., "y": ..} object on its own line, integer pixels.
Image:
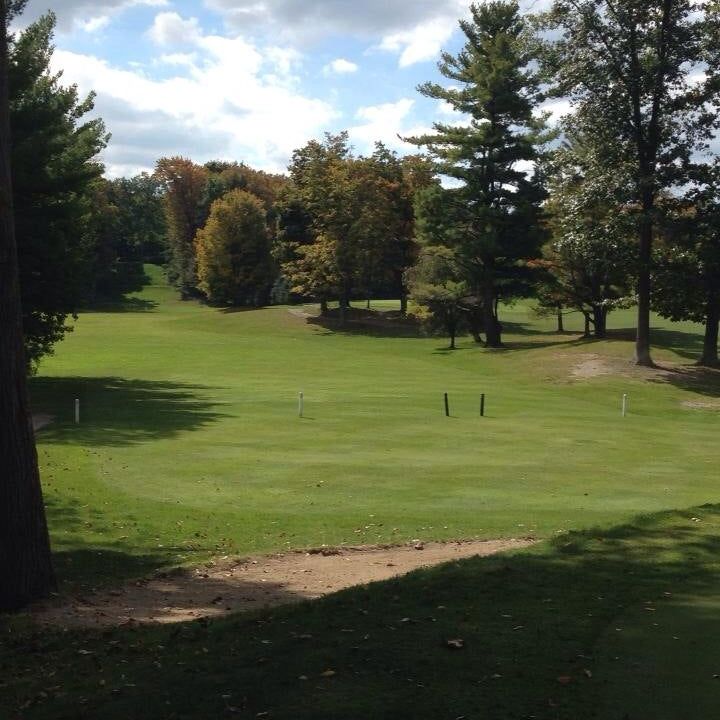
[
  {"x": 41, "y": 420},
  {"x": 256, "y": 583}
]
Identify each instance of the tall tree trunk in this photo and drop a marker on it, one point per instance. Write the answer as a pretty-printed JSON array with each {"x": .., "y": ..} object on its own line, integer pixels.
[
  {"x": 586, "y": 334},
  {"x": 642, "y": 342},
  {"x": 712, "y": 326},
  {"x": 323, "y": 306},
  {"x": 26, "y": 572},
  {"x": 600, "y": 321},
  {"x": 560, "y": 326},
  {"x": 493, "y": 335},
  {"x": 402, "y": 290}
]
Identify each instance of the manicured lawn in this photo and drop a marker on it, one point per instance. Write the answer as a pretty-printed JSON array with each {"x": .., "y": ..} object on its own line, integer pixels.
[
  {"x": 606, "y": 625},
  {"x": 190, "y": 444}
]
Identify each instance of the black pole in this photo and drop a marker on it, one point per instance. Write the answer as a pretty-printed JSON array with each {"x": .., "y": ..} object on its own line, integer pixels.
[
  {"x": 482, "y": 405},
  {"x": 447, "y": 406}
]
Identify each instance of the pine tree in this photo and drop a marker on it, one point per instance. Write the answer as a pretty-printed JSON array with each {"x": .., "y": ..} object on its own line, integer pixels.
[{"x": 494, "y": 209}]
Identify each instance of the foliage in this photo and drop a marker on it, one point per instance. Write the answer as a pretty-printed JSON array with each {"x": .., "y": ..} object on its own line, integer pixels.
[
  {"x": 493, "y": 213},
  {"x": 687, "y": 264},
  {"x": 630, "y": 68},
  {"x": 55, "y": 167},
  {"x": 437, "y": 286},
  {"x": 358, "y": 210},
  {"x": 233, "y": 251},
  {"x": 591, "y": 255},
  {"x": 185, "y": 186}
]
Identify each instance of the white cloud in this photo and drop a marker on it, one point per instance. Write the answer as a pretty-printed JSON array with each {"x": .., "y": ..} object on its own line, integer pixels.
[
  {"x": 96, "y": 23},
  {"x": 340, "y": 66},
  {"x": 387, "y": 123},
  {"x": 313, "y": 19},
  {"x": 423, "y": 42},
  {"x": 226, "y": 98},
  {"x": 88, "y": 15},
  {"x": 169, "y": 28}
]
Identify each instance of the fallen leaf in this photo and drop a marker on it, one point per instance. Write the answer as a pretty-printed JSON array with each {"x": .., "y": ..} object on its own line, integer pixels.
[
  {"x": 328, "y": 673},
  {"x": 456, "y": 644}
]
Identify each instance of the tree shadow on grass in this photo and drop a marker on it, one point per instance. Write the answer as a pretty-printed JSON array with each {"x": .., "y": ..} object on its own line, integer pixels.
[
  {"x": 123, "y": 305},
  {"x": 118, "y": 411},
  {"x": 371, "y": 323},
  {"x": 699, "y": 380},
  {"x": 511, "y": 636}
]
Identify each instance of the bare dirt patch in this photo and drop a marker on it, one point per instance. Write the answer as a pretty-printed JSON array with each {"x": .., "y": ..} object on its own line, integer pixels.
[
  {"x": 40, "y": 420},
  {"x": 228, "y": 587},
  {"x": 702, "y": 404}
]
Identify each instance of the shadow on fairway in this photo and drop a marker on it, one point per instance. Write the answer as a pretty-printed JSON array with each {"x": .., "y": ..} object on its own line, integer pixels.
[
  {"x": 607, "y": 623},
  {"x": 122, "y": 305},
  {"x": 700, "y": 380},
  {"x": 117, "y": 411},
  {"x": 372, "y": 323}
]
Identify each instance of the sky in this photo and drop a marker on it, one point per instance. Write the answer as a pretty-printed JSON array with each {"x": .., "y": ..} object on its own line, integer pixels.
[{"x": 252, "y": 80}]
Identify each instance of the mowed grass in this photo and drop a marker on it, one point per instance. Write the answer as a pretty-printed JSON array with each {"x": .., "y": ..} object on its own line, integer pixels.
[
  {"x": 190, "y": 443},
  {"x": 189, "y": 446},
  {"x": 613, "y": 624}
]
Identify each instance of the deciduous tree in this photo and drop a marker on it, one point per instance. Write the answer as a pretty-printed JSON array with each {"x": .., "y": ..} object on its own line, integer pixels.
[
  {"x": 234, "y": 265},
  {"x": 642, "y": 77}
]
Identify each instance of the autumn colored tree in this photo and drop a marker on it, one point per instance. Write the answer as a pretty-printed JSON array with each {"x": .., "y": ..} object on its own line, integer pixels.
[
  {"x": 185, "y": 185},
  {"x": 25, "y": 561},
  {"x": 234, "y": 265}
]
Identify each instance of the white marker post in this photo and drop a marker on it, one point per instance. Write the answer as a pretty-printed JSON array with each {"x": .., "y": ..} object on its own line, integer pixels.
[
  {"x": 77, "y": 411},
  {"x": 301, "y": 403},
  {"x": 625, "y": 405}
]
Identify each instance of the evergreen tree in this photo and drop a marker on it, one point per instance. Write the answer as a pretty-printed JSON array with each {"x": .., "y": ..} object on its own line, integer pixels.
[
  {"x": 492, "y": 214},
  {"x": 55, "y": 166}
]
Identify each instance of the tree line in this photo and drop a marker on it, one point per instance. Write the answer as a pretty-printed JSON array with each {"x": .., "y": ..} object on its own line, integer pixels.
[{"x": 618, "y": 206}]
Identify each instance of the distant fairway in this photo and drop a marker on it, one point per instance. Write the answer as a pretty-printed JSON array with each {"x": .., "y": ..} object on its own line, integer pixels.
[{"x": 190, "y": 444}]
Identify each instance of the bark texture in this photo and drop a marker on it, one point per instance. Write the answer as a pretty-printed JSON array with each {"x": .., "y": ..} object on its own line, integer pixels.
[{"x": 26, "y": 572}]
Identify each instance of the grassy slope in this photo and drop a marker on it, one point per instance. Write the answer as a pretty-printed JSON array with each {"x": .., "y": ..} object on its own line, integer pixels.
[
  {"x": 190, "y": 444},
  {"x": 627, "y": 616}
]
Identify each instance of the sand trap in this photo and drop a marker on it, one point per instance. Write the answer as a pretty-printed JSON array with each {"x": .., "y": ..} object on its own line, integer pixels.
[{"x": 228, "y": 587}]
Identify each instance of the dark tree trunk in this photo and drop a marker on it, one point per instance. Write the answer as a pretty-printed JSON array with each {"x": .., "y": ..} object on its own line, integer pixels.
[
  {"x": 600, "y": 321},
  {"x": 476, "y": 321},
  {"x": 26, "y": 572},
  {"x": 642, "y": 342},
  {"x": 586, "y": 334},
  {"x": 493, "y": 334},
  {"x": 323, "y": 306},
  {"x": 402, "y": 291},
  {"x": 710, "y": 345},
  {"x": 560, "y": 326}
]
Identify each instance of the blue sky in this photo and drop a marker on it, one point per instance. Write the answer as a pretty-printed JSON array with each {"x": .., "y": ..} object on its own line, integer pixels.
[{"x": 251, "y": 80}]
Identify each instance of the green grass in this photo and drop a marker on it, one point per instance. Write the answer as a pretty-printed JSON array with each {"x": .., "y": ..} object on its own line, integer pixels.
[
  {"x": 190, "y": 446},
  {"x": 608, "y": 624},
  {"x": 190, "y": 443}
]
